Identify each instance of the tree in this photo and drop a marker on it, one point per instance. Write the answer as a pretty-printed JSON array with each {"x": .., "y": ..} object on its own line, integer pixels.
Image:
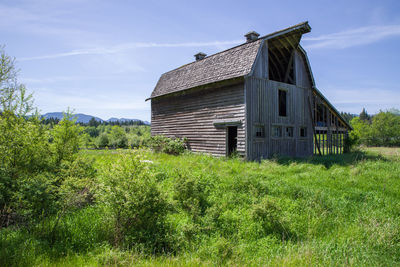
[
  {"x": 118, "y": 137},
  {"x": 25, "y": 154},
  {"x": 66, "y": 138},
  {"x": 94, "y": 122},
  {"x": 364, "y": 116},
  {"x": 102, "y": 140},
  {"x": 14, "y": 98},
  {"x": 386, "y": 129},
  {"x": 361, "y": 131},
  {"x": 383, "y": 130}
]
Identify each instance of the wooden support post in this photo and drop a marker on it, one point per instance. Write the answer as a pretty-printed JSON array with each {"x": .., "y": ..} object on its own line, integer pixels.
[
  {"x": 328, "y": 133},
  {"x": 313, "y": 125},
  {"x": 336, "y": 136}
]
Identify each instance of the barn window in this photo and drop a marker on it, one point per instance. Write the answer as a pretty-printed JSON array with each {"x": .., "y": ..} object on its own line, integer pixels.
[
  {"x": 259, "y": 131},
  {"x": 289, "y": 131},
  {"x": 277, "y": 131},
  {"x": 303, "y": 132},
  {"x": 282, "y": 102}
]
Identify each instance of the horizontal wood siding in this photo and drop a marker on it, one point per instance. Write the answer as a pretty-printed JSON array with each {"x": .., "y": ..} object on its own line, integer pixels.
[
  {"x": 262, "y": 109},
  {"x": 193, "y": 116}
]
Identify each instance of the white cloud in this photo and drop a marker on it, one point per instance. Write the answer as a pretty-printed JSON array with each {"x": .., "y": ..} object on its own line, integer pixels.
[
  {"x": 124, "y": 47},
  {"x": 353, "y": 37}
]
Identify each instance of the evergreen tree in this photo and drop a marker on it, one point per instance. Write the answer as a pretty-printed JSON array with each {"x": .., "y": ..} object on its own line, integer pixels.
[
  {"x": 364, "y": 116},
  {"x": 94, "y": 122}
]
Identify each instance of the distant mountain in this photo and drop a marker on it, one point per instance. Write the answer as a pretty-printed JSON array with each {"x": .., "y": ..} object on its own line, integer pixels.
[{"x": 83, "y": 118}]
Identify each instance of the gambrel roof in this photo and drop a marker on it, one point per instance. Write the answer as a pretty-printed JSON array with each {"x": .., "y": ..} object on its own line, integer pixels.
[{"x": 232, "y": 63}]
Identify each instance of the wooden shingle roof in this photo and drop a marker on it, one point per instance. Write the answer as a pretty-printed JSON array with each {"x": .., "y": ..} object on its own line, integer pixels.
[{"x": 232, "y": 63}]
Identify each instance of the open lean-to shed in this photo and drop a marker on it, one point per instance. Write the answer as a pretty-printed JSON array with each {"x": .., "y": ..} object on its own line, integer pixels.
[{"x": 258, "y": 98}]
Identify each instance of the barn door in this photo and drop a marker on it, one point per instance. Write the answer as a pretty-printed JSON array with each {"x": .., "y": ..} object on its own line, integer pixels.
[{"x": 231, "y": 139}]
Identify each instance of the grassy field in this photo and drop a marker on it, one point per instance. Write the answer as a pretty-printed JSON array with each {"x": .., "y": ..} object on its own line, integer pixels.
[{"x": 331, "y": 210}]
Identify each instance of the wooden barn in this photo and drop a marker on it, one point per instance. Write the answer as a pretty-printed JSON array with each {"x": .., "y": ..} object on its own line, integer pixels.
[{"x": 258, "y": 98}]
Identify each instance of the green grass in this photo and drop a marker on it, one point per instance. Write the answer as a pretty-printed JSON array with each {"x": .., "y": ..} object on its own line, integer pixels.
[{"x": 331, "y": 210}]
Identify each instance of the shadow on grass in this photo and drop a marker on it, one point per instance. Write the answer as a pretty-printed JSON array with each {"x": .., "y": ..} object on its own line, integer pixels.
[{"x": 330, "y": 160}]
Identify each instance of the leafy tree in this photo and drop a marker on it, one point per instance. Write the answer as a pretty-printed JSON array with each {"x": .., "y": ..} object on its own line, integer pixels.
[
  {"x": 26, "y": 158},
  {"x": 118, "y": 137},
  {"x": 385, "y": 129},
  {"x": 361, "y": 131},
  {"x": 32, "y": 154},
  {"x": 102, "y": 141},
  {"x": 93, "y": 131},
  {"x": 14, "y": 98},
  {"x": 66, "y": 138}
]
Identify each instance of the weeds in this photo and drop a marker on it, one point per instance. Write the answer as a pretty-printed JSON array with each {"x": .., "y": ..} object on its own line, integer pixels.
[{"x": 336, "y": 210}]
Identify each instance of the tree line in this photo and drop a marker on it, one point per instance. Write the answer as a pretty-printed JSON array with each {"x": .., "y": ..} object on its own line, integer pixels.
[{"x": 382, "y": 129}]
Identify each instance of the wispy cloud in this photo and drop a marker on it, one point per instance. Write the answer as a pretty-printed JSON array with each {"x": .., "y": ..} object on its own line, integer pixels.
[
  {"x": 128, "y": 46},
  {"x": 339, "y": 40},
  {"x": 353, "y": 37}
]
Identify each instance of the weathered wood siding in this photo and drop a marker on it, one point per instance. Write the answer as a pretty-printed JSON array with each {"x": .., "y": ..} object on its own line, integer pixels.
[
  {"x": 300, "y": 71},
  {"x": 260, "y": 67},
  {"x": 193, "y": 115},
  {"x": 262, "y": 109}
]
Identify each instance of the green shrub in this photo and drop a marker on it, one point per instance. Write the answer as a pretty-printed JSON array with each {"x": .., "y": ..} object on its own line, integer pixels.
[
  {"x": 268, "y": 213},
  {"x": 102, "y": 140},
  {"x": 118, "y": 137},
  {"x": 25, "y": 158},
  {"x": 77, "y": 183},
  {"x": 36, "y": 196},
  {"x": 190, "y": 194},
  {"x": 66, "y": 138},
  {"x": 129, "y": 194},
  {"x": 160, "y": 143}
]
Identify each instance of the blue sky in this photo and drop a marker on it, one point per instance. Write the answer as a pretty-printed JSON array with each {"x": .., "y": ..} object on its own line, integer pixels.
[{"x": 103, "y": 57}]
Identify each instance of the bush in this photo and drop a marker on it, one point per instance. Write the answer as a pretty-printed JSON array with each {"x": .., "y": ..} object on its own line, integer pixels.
[
  {"x": 129, "y": 194},
  {"x": 118, "y": 137},
  {"x": 77, "y": 183},
  {"x": 26, "y": 158},
  {"x": 31, "y": 158},
  {"x": 191, "y": 196},
  {"x": 383, "y": 130},
  {"x": 102, "y": 141},
  {"x": 36, "y": 196},
  {"x": 160, "y": 143},
  {"x": 66, "y": 138}
]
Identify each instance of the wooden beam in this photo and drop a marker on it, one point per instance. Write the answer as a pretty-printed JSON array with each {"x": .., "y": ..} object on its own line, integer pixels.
[
  {"x": 276, "y": 61},
  {"x": 289, "y": 67},
  {"x": 274, "y": 68},
  {"x": 313, "y": 125}
]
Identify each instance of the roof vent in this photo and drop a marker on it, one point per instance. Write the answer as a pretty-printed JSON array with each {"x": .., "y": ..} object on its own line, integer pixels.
[
  {"x": 251, "y": 36},
  {"x": 200, "y": 56}
]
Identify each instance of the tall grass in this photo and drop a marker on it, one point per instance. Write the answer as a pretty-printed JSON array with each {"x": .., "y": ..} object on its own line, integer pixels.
[{"x": 332, "y": 210}]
